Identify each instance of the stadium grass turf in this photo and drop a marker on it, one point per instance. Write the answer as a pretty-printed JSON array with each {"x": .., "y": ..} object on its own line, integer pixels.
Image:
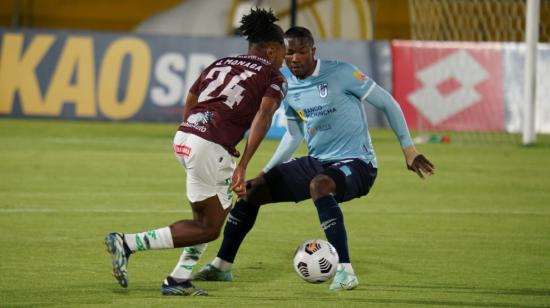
[{"x": 474, "y": 235}]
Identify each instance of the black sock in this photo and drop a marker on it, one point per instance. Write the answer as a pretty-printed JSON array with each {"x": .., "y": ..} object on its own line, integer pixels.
[
  {"x": 332, "y": 222},
  {"x": 241, "y": 219}
]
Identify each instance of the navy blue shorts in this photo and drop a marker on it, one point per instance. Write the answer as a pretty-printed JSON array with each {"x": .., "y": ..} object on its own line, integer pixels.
[{"x": 289, "y": 181}]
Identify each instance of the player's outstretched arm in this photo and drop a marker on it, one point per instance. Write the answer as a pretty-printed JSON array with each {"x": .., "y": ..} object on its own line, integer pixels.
[
  {"x": 415, "y": 161},
  {"x": 288, "y": 145},
  {"x": 258, "y": 129}
]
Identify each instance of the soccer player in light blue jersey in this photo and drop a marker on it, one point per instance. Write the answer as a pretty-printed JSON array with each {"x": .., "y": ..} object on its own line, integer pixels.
[{"x": 324, "y": 106}]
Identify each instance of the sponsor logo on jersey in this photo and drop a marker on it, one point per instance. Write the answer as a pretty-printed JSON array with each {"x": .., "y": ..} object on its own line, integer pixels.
[
  {"x": 316, "y": 111},
  {"x": 313, "y": 130},
  {"x": 198, "y": 120},
  {"x": 182, "y": 150},
  {"x": 324, "y": 127},
  {"x": 301, "y": 115},
  {"x": 359, "y": 76},
  {"x": 323, "y": 90}
]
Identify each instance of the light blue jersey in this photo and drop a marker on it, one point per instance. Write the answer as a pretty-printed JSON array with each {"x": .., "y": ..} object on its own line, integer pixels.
[
  {"x": 329, "y": 104},
  {"x": 327, "y": 110}
]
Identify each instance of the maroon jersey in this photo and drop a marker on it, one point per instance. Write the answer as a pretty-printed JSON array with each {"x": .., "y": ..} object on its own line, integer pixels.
[{"x": 229, "y": 92}]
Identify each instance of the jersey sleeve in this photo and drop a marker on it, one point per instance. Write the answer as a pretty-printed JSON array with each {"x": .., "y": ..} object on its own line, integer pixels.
[
  {"x": 277, "y": 87},
  {"x": 383, "y": 101},
  {"x": 356, "y": 83}
]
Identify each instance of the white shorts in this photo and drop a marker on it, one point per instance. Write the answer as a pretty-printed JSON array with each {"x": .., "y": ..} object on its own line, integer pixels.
[{"x": 209, "y": 168}]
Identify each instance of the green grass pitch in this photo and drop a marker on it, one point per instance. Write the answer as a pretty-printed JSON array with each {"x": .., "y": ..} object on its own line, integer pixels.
[{"x": 477, "y": 234}]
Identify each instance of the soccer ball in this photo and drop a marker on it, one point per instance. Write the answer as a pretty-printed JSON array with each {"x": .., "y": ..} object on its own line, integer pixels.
[{"x": 316, "y": 261}]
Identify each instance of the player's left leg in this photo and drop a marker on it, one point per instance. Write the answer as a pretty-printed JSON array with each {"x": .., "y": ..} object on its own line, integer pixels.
[
  {"x": 188, "y": 259},
  {"x": 241, "y": 220},
  {"x": 341, "y": 181},
  {"x": 209, "y": 216},
  {"x": 285, "y": 182}
]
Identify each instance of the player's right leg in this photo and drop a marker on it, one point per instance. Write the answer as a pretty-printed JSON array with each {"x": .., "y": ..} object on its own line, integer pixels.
[
  {"x": 286, "y": 182},
  {"x": 345, "y": 279},
  {"x": 341, "y": 181},
  {"x": 209, "y": 172}
]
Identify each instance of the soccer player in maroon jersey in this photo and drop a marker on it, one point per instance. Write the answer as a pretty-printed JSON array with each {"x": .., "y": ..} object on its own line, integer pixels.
[
  {"x": 231, "y": 96},
  {"x": 324, "y": 107}
]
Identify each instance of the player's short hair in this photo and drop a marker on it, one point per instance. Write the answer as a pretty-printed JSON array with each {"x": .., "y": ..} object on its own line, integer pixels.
[
  {"x": 259, "y": 27},
  {"x": 300, "y": 32}
]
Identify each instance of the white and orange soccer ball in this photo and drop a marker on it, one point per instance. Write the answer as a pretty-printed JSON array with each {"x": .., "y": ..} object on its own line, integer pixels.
[{"x": 316, "y": 261}]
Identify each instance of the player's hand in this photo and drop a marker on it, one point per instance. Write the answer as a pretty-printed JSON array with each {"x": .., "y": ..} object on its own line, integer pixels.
[
  {"x": 421, "y": 166},
  {"x": 238, "y": 184}
]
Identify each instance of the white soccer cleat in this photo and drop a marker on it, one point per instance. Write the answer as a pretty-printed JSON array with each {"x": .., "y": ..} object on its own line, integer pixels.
[{"x": 344, "y": 281}]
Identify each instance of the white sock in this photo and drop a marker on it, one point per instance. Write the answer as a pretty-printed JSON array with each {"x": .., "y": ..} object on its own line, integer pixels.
[
  {"x": 346, "y": 267},
  {"x": 155, "y": 239},
  {"x": 189, "y": 258},
  {"x": 221, "y": 264}
]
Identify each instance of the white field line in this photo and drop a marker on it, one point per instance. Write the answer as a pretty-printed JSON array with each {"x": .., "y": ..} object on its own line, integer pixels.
[
  {"x": 86, "y": 211},
  {"x": 274, "y": 209},
  {"x": 95, "y": 193}
]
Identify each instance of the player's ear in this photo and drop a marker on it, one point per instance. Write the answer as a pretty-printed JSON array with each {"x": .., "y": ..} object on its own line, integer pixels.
[
  {"x": 313, "y": 50},
  {"x": 270, "y": 52}
]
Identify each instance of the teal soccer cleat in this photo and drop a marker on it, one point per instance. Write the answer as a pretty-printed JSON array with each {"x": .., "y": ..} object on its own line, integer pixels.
[
  {"x": 210, "y": 273},
  {"x": 343, "y": 281},
  {"x": 115, "y": 246},
  {"x": 185, "y": 288}
]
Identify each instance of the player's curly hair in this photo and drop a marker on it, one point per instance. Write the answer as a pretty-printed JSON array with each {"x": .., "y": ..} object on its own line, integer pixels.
[{"x": 259, "y": 27}]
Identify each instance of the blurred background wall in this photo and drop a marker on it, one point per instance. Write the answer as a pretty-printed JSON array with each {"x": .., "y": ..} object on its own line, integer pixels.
[
  {"x": 492, "y": 20},
  {"x": 328, "y": 18},
  {"x": 137, "y": 57}
]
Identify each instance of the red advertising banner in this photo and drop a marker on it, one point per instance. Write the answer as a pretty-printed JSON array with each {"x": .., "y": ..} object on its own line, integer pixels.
[{"x": 449, "y": 85}]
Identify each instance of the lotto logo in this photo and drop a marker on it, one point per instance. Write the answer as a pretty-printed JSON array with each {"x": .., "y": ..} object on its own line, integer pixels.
[
  {"x": 449, "y": 85},
  {"x": 182, "y": 150}
]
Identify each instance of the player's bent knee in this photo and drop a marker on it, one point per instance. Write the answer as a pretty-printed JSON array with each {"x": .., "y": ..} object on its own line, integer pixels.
[
  {"x": 321, "y": 185},
  {"x": 211, "y": 233},
  {"x": 257, "y": 192}
]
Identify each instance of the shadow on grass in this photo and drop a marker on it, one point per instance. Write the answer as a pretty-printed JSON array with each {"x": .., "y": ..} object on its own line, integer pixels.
[
  {"x": 528, "y": 293},
  {"x": 338, "y": 301},
  {"x": 465, "y": 289}
]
